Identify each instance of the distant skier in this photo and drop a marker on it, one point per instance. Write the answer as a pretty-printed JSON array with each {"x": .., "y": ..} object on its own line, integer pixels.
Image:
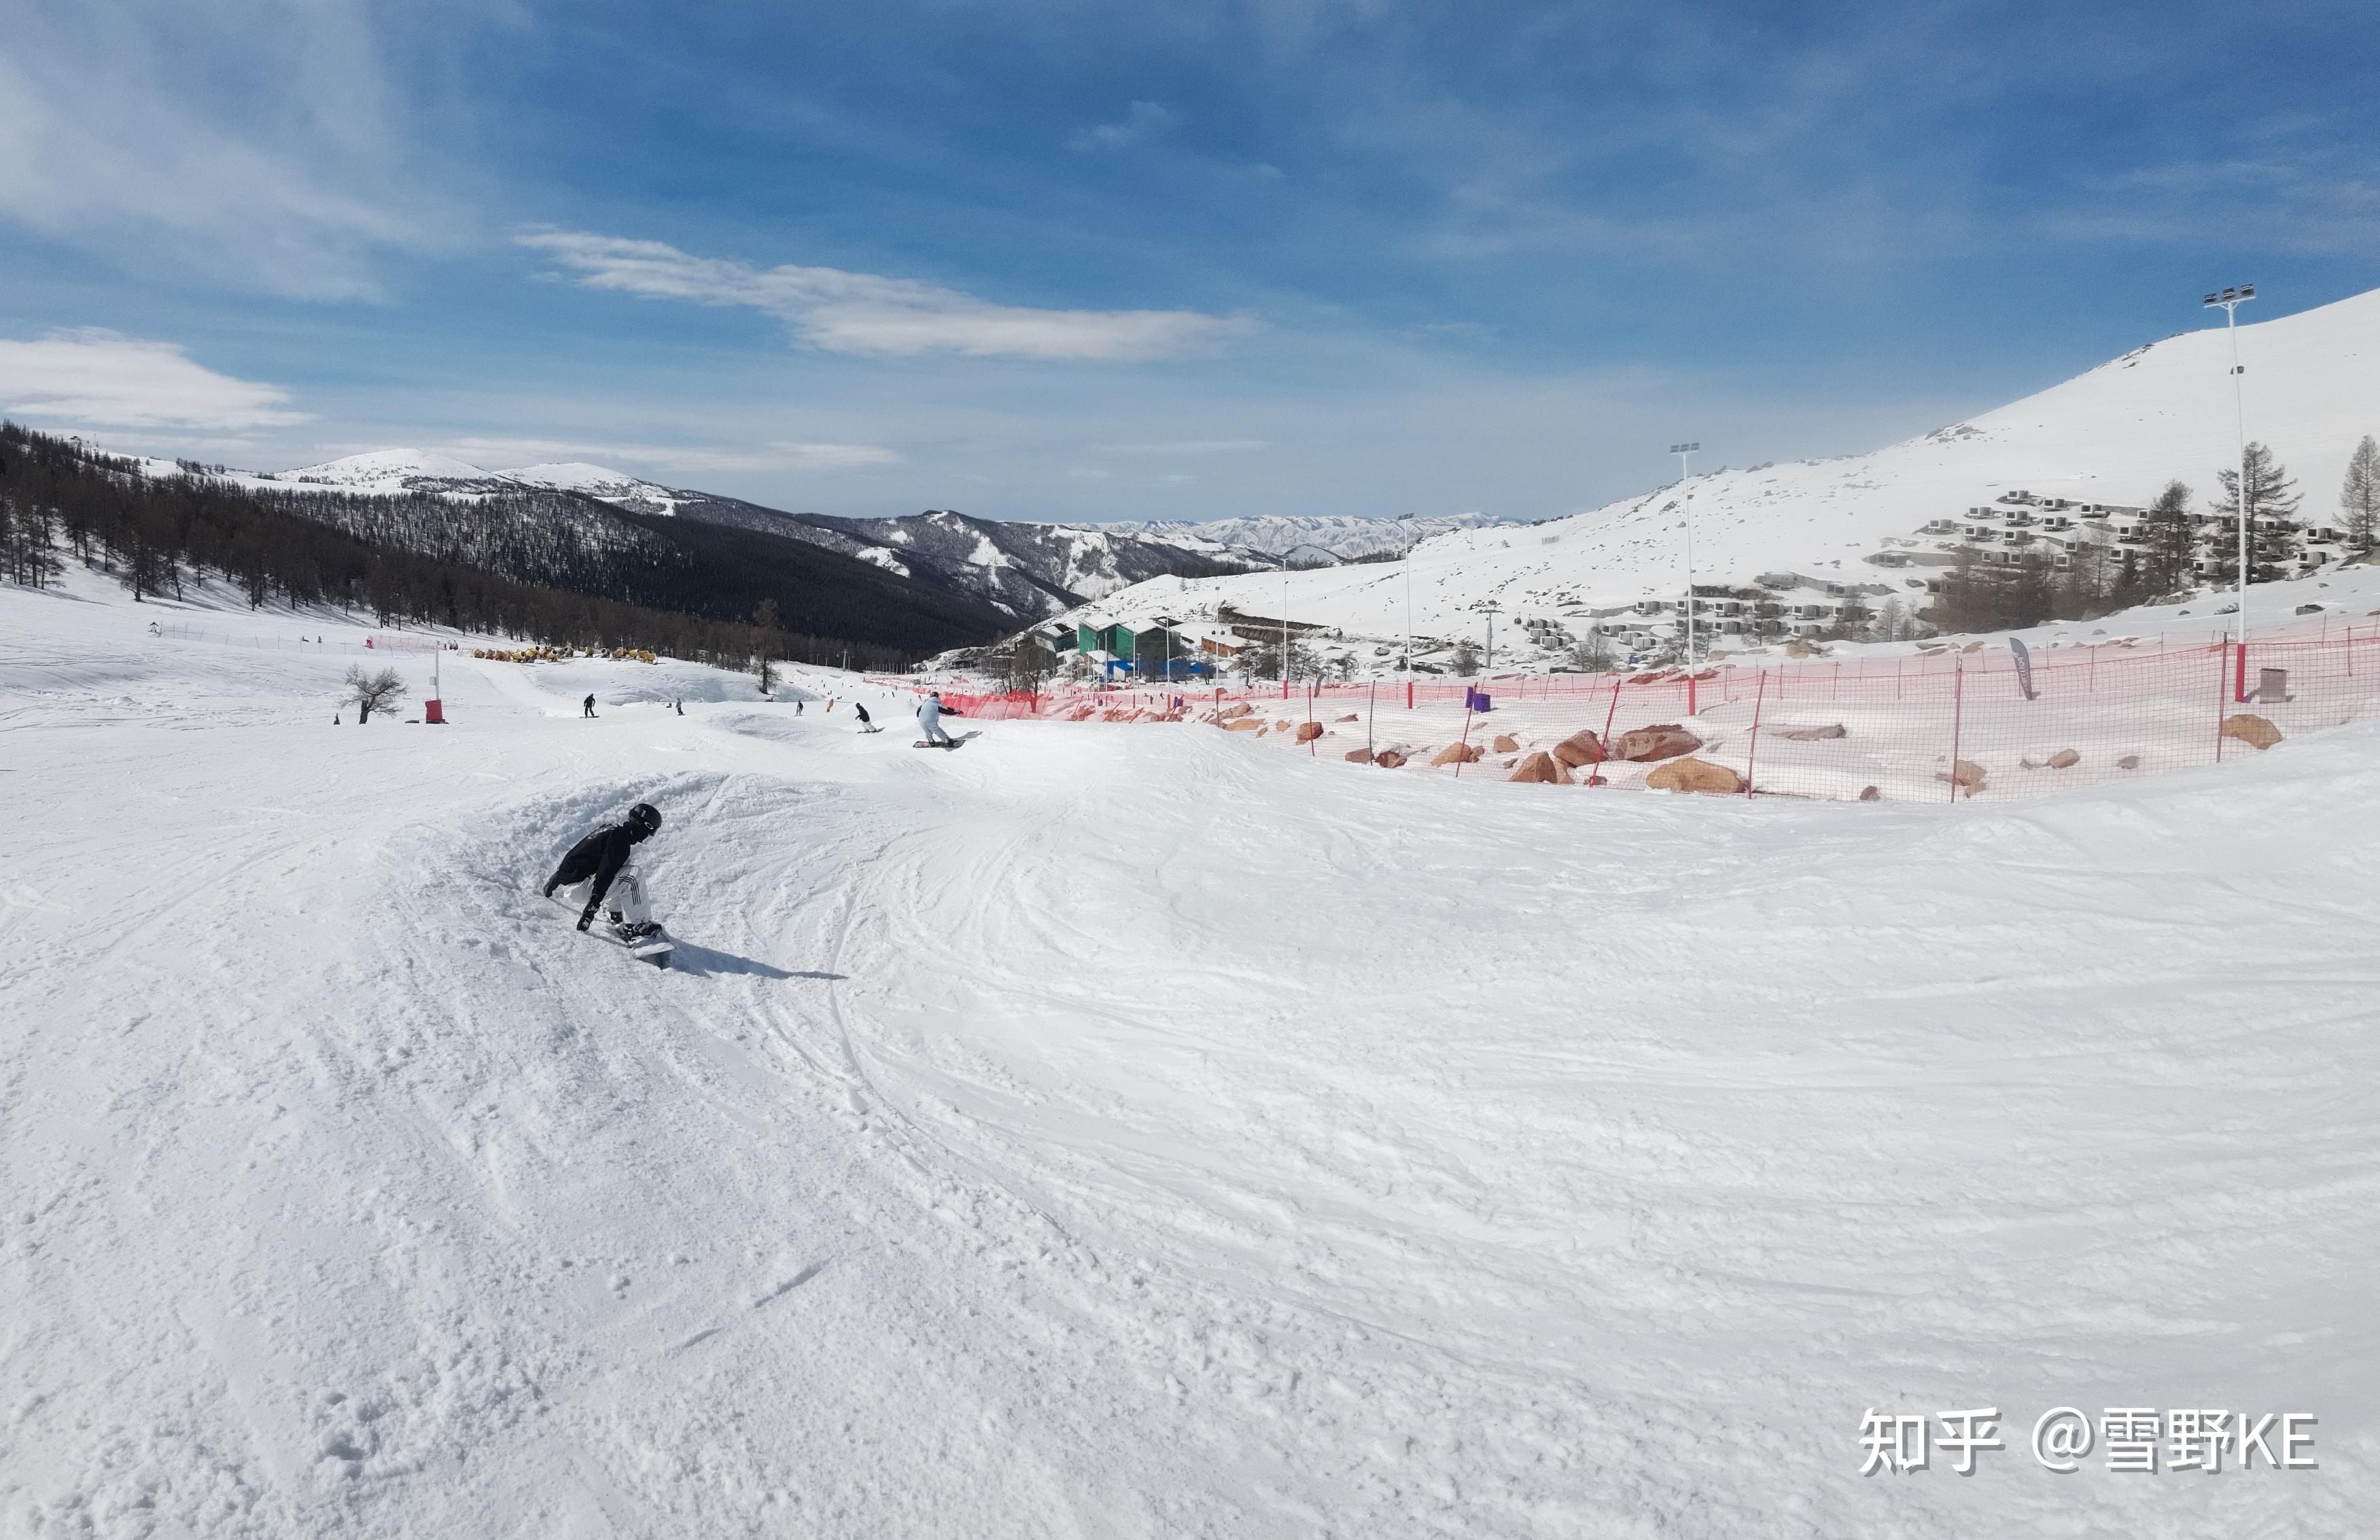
[
  {"x": 865, "y": 725},
  {"x": 601, "y": 859},
  {"x": 589, "y": 706},
  {"x": 929, "y": 722},
  {"x": 798, "y": 707},
  {"x": 681, "y": 706}
]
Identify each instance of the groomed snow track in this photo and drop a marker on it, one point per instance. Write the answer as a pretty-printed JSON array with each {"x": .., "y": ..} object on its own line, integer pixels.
[{"x": 1123, "y": 1134}]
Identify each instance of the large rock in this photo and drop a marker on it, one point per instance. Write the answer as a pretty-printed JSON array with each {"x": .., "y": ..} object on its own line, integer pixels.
[
  {"x": 1359, "y": 756},
  {"x": 1691, "y": 774},
  {"x": 1232, "y": 713},
  {"x": 1582, "y": 747},
  {"x": 1388, "y": 758},
  {"x": 1964, "y": 772},
  {"x": 1643, "y": 745},
  {"x": 1455, "y": 754},
  {"x": 2250, "y": 728},
  {"x": 1243, "y": 725},
  {"x": 1308, "y": 731},
  {"x": 2065, "y": 759},
  {"x": 1542, "y": 769},
  {"x": 1506, "y": 743},
  {"x": 1813, "y": 734},
  {"x": 1350, "y": 717}
]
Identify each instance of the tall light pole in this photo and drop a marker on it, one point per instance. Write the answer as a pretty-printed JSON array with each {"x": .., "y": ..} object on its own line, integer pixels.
[
  {"x": 2228, "y": 301},
  {"x": 1490, "y": 609},
  {"x": 1284, "y": 633},
  {"x": 1412, "y": 538},
  {"x": 1685, "y": 454}
]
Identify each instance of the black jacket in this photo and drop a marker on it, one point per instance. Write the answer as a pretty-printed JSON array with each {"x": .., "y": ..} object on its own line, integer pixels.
[{"x": 600, "y": 856}]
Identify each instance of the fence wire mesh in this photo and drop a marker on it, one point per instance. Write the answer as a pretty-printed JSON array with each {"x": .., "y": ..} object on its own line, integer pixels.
[{"x": 1941, "y": 726}]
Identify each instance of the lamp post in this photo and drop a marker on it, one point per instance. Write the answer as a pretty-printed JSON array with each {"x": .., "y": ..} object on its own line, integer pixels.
[
  {"x": 1490, "y": 609},
  {"x": 1169, "y": 623},
  {"x": 1685, "y": 454},
  {"x": 2228, "y": 301},
  {"x": 1412, "y": 539}
]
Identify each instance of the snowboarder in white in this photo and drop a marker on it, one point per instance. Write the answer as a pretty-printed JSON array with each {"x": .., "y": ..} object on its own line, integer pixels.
[{"x": 929, "y": 722}]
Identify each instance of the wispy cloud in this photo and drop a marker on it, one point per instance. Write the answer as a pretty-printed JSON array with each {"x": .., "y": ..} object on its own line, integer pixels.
[
  {"x": 1144, "y": 119},
  {"x": 865, "y": 313},
  {"x": 833, "y": 456},
  {"x": 776, "y": 454},
  {"x": 258, "y": 146},
  {"x": 1190, "y": 447},
  {"x": 104, "y": 380}
]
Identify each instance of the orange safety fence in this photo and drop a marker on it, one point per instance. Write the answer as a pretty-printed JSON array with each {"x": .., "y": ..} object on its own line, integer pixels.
[{"x": 1940, "y": 725}]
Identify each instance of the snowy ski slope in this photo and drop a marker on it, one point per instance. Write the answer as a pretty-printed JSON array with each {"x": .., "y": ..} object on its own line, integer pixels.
[
  {"x": 1108, "y": 1132},
  {"x": 2116, "y": 434}
]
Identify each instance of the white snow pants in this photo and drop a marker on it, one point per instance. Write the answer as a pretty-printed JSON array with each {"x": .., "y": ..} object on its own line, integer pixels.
[{"x": 626, "y": 900}]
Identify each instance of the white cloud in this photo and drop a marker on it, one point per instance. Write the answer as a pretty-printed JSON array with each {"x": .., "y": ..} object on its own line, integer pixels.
[
  {"x": 777, "y": 455},
  {"x": 1191, "y": 446},
  {"x": 1144, "y": 119},
  {"x": 863, "y": 314},
  {"x": 252, "y": 142},
  {"x": 103, "y": 380},
  {"x": 833, "y": 456}
]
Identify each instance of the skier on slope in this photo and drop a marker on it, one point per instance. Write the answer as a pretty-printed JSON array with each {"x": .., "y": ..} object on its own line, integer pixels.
[
  {"x": 929, "y": 720},
  {"x": 601, "y": 861}
]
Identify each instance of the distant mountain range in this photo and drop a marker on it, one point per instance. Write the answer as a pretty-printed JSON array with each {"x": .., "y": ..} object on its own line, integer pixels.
[{"x": 1024, "y": 570}]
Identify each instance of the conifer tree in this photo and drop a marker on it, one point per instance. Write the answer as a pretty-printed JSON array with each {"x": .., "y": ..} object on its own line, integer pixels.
[
  {"x": 2274, "y": 536},
  {"x": 2358, "y": 497},
  {"x": 2168, "y": 540}
]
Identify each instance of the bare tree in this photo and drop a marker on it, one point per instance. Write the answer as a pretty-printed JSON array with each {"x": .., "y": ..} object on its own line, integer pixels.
[{"x": 371, "y": 692}]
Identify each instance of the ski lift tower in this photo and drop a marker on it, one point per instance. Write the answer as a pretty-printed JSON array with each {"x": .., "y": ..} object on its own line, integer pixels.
[
  {"x": 1489, "y": 608},
  {"x": 1685, "y": 454},
  {"x": 2228, "y": 301}
]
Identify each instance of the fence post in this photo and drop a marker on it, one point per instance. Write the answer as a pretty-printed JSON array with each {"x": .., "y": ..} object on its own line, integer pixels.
[
  {"x": 1690, "y": 709},
  {"x": 1608, "y": 717},
  {"x": 2239, "y": 677},
  {"x": 1752, "y": 751},
  {"x": 1409, "y": 690},
  {"x": 1370, "y": 711},
  {"x": 1469, "y": 699},
  {"x": 2222, "y": 667},
  {"x": 1958, "y": 717}
]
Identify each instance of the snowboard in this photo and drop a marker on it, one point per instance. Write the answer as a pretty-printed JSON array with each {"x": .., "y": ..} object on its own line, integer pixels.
[
  {"x": 923, "y": 743},
  {"x": 650, "y": 946}
]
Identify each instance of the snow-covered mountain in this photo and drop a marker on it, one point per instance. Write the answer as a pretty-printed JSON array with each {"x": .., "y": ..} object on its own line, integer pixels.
[
  {"x": 2101, "y": 444},
  {"x": 1026, "y": 568},
  {"x": 1315, "y": 540}
]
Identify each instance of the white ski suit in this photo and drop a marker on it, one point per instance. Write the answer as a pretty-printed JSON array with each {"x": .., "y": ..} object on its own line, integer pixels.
[{"x": 929, "y": 720}]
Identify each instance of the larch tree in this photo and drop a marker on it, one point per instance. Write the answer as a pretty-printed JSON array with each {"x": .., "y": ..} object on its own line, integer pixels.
[{"x": 2359, "y": 496}]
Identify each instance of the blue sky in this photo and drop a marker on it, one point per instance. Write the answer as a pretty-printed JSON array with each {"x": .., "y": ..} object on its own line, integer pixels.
[{"x": 1126, "y": 261}]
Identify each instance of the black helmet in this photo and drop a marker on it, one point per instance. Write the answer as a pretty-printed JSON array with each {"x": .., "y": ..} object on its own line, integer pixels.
[{"x": 645, "y": 818}]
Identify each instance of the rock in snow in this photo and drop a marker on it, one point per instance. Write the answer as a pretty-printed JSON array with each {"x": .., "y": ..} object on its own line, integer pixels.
[{"x": 1691, "y": 774}]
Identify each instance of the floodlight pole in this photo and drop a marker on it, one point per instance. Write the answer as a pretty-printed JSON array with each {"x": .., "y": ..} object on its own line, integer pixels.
[
  {"x": 2228, "y": 301},
  {"x": 1284, "y": 629},
  {"x": 1685, "y": 454},
  {"x": 1411, "y": 541},
  {"x": 1490, "y": 610}
]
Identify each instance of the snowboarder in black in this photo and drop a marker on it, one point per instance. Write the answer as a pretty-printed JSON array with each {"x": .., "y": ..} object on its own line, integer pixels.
[
  {"x": 590, "y": 709},
  {"x": 865, "y": 725},
  {"x": 601, "y": 856}
]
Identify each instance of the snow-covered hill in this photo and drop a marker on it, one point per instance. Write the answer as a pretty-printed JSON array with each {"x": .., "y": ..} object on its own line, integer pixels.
[{"x": 2111, "y": 437}]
